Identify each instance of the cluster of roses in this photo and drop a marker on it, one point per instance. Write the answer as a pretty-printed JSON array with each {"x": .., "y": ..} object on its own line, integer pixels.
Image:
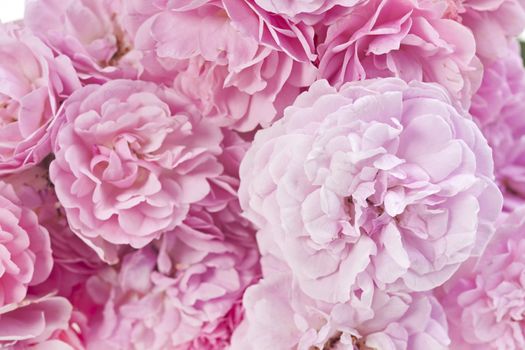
[{"x": 263, "y": 174}]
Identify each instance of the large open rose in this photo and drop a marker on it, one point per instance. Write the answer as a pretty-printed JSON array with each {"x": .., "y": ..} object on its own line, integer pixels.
[{"x": 380, "y": 178}]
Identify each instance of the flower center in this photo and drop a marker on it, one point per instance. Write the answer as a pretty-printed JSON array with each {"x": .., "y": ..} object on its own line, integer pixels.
[
  {"x": 369, "y": 218},
  {"x": 8, "y": 110},
  {"x": 331, "y": 343},
  {"x": 122, "y": 47},
  {"x": 359, "y": 344}
]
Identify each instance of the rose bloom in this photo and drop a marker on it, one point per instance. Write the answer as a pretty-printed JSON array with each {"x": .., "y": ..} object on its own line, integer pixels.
[
  {"x": 73, "y": 260},
  {"x": 33, "y": 84},
  {"x": 25, "y": 262},
  {"x": 33, "y": 323},
  {"x": 498, "y": 107},
  {"x": 130, "y": 159},
  {"x": 234, "y": 80},
  {"x": 182, "y": 292},
  {"x": 282, "y": 33},
  {"x": 378, "y": 178},
  {"x": 25, "y": 251},
  {"x": 408, "y": 39},
  {"x": 495, "y": 23},
  {"x": 486, "y": 305},
  {"x": 87, "y": 31},
  {"x": 280, "y": 316}
]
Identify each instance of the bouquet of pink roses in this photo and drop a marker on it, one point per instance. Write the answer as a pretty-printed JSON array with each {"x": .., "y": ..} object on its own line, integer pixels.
[{"x": 263, "y": 175}]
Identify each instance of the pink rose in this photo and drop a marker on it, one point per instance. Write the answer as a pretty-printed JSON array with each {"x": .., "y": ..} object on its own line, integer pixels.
[
  {"x": 33, "y": 84},
  {"x": 279, "y": 316},
  {"x": 186, "y": 296},
  {"x": 408, "y": 39},
  {"x": 486, "y": 305},
  {"x": 233, "y": 79},
  {"x": 278, "y": 32},
  {"x": 44, "y": 317},
  {"x": 25, "y": 251},
  {"x": 130, "y": 159},
  {"x": 499, "y": 109},
  {"x": 378, "y": 178},
  {"x": 494, "y": 23},
  {"x": 73, "y": 260},
  {"x": 89, "y": 32},
  {"x": 29, "y": 324}
]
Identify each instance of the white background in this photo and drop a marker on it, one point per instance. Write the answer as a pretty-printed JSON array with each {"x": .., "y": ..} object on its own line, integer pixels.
[{"x": 11, "y": 10}]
